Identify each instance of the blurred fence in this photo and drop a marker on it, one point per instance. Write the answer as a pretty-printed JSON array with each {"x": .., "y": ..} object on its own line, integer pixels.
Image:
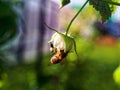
[{"x": 34, "y": 35}]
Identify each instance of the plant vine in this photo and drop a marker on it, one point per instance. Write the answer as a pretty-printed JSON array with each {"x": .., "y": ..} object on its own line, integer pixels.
[{"x": 75, "y": 17}]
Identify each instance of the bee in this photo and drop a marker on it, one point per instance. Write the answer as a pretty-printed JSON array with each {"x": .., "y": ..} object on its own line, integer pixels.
[{"x": 58, "y": 56}]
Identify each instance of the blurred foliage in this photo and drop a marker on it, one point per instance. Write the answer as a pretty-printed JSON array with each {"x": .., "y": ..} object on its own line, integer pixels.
[
  {"x": 93, "y": 70},
  {"x": 7, "y": 31},
  {"x": 116, "y": 75},
  {"x": 113, "y": 7},
  {"x": 7, "y": 22}
]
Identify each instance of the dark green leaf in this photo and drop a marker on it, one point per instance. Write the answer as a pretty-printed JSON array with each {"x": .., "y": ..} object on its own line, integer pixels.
[
  {"x": 64, "y": 2},
  {"x": 112, "y": 2},
  {"x": 103, "y": 8}
]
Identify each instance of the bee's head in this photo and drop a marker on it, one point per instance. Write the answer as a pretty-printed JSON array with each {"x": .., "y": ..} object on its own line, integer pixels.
[{"x": 54, "y": 60}]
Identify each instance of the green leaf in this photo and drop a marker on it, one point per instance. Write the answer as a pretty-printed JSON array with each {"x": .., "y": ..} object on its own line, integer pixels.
[
  {"x": 64, "y": 2},
  {"x": 103, "y": 8},
  {"x": 116, "y": 75},
  {"x": 112, "y": 2},
  {"x": 112, "y": 6}
]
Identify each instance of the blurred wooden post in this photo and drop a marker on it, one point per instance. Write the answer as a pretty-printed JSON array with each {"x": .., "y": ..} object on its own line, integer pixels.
[
  {"x": 35, "y": 35},
  {"x": 48, "y": 16},
  {"x": 38, "y": 67}
]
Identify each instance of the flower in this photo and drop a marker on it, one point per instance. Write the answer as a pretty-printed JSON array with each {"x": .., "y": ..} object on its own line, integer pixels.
[
  {"x": 60, "y": 45},
  {"x": 60, "y": 41}
]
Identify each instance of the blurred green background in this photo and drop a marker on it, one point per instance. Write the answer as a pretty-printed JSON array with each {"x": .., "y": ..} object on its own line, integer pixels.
[{"x": 98, "y": 47}]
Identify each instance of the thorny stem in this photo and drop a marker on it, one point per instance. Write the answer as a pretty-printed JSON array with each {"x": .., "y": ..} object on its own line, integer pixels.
[
  {"x": 75, "y": 17},
  {"x": 111, "y": 2}
]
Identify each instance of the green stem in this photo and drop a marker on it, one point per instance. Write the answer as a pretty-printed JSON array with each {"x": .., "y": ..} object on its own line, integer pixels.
[
  {"x": 110, "y": 2},
  {"x": 75, "y": 17},
  {"x": 52, "y": 29}
]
